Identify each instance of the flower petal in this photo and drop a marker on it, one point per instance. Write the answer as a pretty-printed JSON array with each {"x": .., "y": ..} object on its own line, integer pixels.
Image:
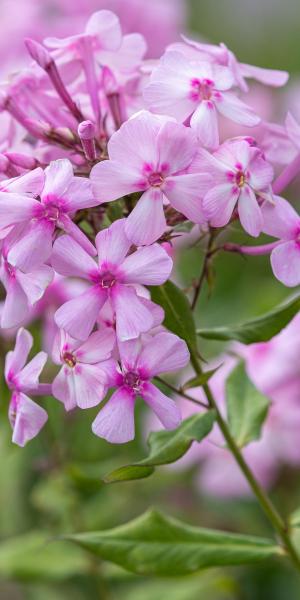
[
  {"x": 146, "y": 223},
  {"x": 271, "y": 77},
  {"x": 112, "y": 180},
  {"x": 97, "y": 347},
  {"x": 16, "y": 359},
  {"x": 280, "y": 219},
  {"x": 115, "y": 422},
  {"x": 79, "y": 315},
  {"x": 164, "y": 352},
  {"x": 150, "y": 265},
  {"x": 105, "y": 26},
  {"x": 164, "y": 407},
  {"x": 249, "y": 212},
  {"x": 27, "y": 419},
  {"x": 70, "y": 259},
  {"x": 185, "y": 193},
  {"x": 134, "y": 144},
  {"x": 112, "y": 243},
  {"x": 59, "y": 175},
  {"x": 285, "y": 261},
  {"x": 63, "y": 388},
  {"x": 34, "y": 246},
  {"x": 15, "y": 208},
  {"x": 218, "y": 204},
  {"x": 15, "y": 309},
  {"x": 66, "y": 223},
  {"x": 132, "y": 317},
  {"x": 35, "y": 283},
  {"x": 233, "y": 108},
  {"x": 28, "y": 378},
  {"x": 205, "y": 123},
  {"x": 177, "y": 146}
]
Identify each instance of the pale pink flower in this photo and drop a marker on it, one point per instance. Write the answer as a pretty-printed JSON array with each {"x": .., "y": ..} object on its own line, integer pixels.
[
  {"x": 139, "y": 364},
  {"x": 26, "y": 417},
  {"x": 82, "y": 380},
  {"x": 241, "y": 177},
  {"x": 198, "y": 91},
  {"x": 283, "y": 222},
  {"x": 61, "y": 195},
  {"x": 151, "y": 154},
  {"x": 281, "y": 143},
  {"x": 111, "y": 279},
  {"x": 23, "y": 289}
]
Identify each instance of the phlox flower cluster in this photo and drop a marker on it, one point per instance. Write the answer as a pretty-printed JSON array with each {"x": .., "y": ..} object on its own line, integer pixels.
[{"x": 105, "y": 154}]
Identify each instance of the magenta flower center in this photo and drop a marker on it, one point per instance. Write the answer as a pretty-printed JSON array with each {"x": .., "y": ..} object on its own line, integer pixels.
[
  {"x": 52, "y": 213},
  {"x": 156, "y": 179},
  {"x": 240, "y": 179},
  {"x": 133, "y": 380},
  {"x": 202, "y": 89},
  {"x": 69, "y": 359},
  {"x": 107, "y": 280}
]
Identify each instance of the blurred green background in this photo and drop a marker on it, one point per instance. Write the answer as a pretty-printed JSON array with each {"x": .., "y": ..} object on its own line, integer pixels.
[{"x": 53, "y": 485}]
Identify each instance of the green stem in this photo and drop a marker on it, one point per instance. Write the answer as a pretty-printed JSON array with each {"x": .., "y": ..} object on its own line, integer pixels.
[{"x": 265, "y": 502}]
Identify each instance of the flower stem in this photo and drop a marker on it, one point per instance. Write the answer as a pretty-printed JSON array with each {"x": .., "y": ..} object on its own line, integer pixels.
[{"x": 269, "y": 509}]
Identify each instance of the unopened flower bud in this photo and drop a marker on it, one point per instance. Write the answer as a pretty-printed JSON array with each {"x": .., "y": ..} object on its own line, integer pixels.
[
  {"x": 40, "y": 54},
  {"x": 86, "y": 132}
]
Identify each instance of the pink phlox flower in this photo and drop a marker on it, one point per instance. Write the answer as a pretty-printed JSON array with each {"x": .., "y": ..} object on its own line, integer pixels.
[
  {"x": 139, "y": 364},
  {"x": 221, "y": 55},
  {"x": 60, "y": 196},
  {"x": 84, "y": 376},
  {"x": 26, "y": 417},
  {"x": 196, "y": 91},
  {"x": 151, "y": 154},
  {"x": 111, "y": 279},
  {"x": 242, "y": 177},
  {"x": 23, "y": 289},
  {"x": 280, "y": 220},
  {"x": 281, "y": 143}
]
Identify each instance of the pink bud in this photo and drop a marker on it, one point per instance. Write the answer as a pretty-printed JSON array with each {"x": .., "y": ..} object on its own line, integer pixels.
[
  {"x": 21, "y": 160},
  {"x": 86, "y": 132},
  {"x": 38, "y": 53}
]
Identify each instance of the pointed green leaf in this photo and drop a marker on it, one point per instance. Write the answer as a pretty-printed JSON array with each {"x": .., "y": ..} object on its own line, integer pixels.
[
  {"x": 178, "y": 314},
  {"x": 199, "y": 380},
  {"x": 154, "y": 544},
  {"x": 246, "y": 407},
  {"x": 166, "y": 447},
  {"x": 261, "y": 329}
]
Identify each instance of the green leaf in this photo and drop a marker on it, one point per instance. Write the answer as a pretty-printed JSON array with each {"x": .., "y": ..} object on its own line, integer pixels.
[
  {"x": 166, "y": 447},
  {"x": 33, "y": 556},
  {"x": 199, "y": 380},
  {"x": 246, "y": 407},
  {"x": 261, "y": 329},
  {"x": 154, "y": 544},
  {"x": 178, "y": 314},
  {"x": 294, "y": 518}
]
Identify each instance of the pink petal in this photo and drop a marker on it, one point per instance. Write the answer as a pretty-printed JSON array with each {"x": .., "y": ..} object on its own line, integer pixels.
[
  {"x": 59, "y": 175},
  {"x": 129, "y": 352},
  {"x": 112, "y": 243},
  {"x": 285, "y": 261},
  {"x": 97, "y": 347},
  {"x": 164, "y": 407},
  {"x": 185, "y": 193},
  {"x": 15, "y": 309},
  {"x": 218, "y": 204},
  {"x": 132, "y": 317},
  {"x": 112, "y": 180},
  {"x": 16, "y": 209},
  {"x": 234, "y": 109},
  {"x": 34, "y": 246},
  {"x": 176, "y": 145},
  {"x": 79, "y": 195},
  {"x": 27, "y": 419},
  {"x": 150, "y": 265},
  {"x": 30, "y": 183},
  {"x": 205, "y": 123},
  {"x": 261, "y": 173},
  {"x": 63, "y": 388},
  {"x": 75, "y": 232},
  {"x": 164, "y": 352},
  {"x": 143, "y": 128},
  {"x": 249, "y": 212},
  {"x": 79, "y": 315},
  {"x": 267, "y": 76},
  {"x": 115, "y": 422},
  {"x": 16, "y": 359},
  {"x": 28, "y": 378},
  {"x": 146, "y": 223},
  {"x": 69, "y": 259},
  {"x": 105, "y": 26},
  {"x": 280, "y": 219},
  {"x": 35, "y": 283}
]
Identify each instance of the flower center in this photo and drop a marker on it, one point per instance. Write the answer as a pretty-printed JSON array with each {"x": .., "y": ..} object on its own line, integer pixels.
[
  {"x": 156, "y": 179},
  {"x": 69, "y": 359},
  {"x": 133, "y": 380},
  {"x": 52, "y": 213},
  {"x": 202, "y": 89},
  {"x": 240, "y": 179},
  {"x": 107, "y": 280}
]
